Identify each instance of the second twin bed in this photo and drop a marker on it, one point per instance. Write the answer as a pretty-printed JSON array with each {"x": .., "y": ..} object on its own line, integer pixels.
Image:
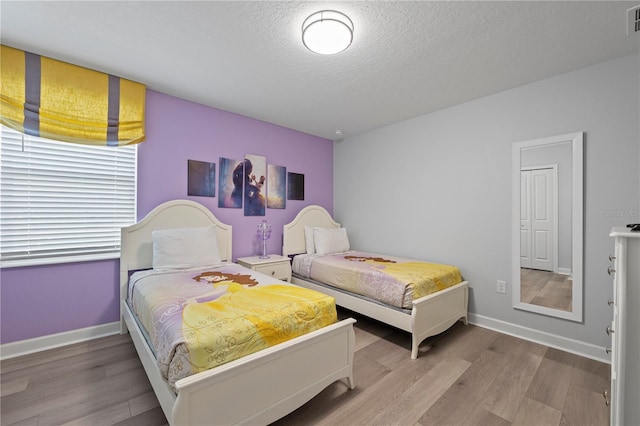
[{"x": 422, "y": 298}]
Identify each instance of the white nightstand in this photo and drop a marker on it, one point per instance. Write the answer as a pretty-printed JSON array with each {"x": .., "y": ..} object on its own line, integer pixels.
[{"x": 275, "y": 266}]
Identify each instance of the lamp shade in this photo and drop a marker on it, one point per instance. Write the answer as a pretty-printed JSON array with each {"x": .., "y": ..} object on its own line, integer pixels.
[{"x": 327, "y": 32}]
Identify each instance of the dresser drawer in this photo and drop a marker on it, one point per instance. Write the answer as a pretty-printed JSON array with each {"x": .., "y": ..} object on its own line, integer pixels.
[
  {"x": 275, "y": 266},
  {"x": 281, "y": 271}
]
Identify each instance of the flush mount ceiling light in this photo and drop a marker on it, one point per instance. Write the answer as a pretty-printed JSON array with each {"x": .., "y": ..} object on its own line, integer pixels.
[{"x": 327, "y": 32}]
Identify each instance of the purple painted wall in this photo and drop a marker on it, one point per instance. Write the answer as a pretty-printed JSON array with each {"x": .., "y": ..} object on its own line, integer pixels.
[{"x": 43, "y": 300}]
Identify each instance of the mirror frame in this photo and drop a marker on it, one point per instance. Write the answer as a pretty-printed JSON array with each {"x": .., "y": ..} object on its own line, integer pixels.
[{"x": 577, "y": 219}]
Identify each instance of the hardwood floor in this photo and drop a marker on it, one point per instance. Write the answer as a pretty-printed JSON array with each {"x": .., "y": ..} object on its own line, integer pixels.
[{"x": 466, "y": 376}]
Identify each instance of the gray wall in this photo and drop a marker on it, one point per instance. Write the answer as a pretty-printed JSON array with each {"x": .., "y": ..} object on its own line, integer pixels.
[{"x": 438, "y": 186}]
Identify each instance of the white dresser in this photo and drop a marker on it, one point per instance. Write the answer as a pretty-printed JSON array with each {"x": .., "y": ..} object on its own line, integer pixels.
[{"x": 625, "y": 328}]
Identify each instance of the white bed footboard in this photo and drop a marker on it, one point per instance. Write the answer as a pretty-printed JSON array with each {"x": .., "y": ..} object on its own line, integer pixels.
[
  {"x": 437, "y": 312},
  {"x": 257, "y": 389},
  {"x": 431, "y": 315}
]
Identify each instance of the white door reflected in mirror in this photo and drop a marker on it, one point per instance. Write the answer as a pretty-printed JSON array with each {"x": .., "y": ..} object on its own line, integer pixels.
[{"x": 547, "y": 225}]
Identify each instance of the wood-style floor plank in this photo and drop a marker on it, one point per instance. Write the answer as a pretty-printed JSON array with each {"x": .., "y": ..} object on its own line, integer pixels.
[
  {"x": 481, "y": 417},
  {"x": 409, "y": 407},
  {"x": 532, "y": 412},
  {"x": 551, "y": 382},
  {"x": 105, "y": 417},
  {"x": 457, "y": 403},
  {"x": 510, "y": 387},
  {"x": 465, "y": 376},
  {"x": 579, "y": 408},
  {"x": 382, "y": 394}
]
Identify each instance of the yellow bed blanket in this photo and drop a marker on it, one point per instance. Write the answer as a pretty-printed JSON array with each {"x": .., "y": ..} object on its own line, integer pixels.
[{"x": 197, "y": 320}]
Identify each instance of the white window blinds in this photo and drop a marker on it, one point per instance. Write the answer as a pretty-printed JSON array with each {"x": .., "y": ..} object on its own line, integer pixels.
[{"x": 63, "y": 202}]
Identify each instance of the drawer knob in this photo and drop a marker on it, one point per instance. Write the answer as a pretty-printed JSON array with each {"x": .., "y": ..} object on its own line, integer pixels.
[
  {"x": 609, "y": 330},
  {"x": 606, "y": 397},
  {"x": 608, "y": 350},
  {"x": 611, "y": 258},
  {"x": 273, "y": 273},
  {"x": 610, "y": 270},
  {"x": 609, "y": 302}
]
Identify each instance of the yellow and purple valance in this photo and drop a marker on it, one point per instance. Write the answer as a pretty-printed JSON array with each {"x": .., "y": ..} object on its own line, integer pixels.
[{"x": 44, "y": 97}]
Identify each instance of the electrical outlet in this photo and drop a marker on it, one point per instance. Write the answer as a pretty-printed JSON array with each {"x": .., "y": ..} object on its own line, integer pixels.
[{"x": 501, "y": 287}]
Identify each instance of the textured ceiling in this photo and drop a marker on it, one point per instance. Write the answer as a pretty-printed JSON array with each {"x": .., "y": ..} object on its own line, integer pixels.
[{"x": 407, "y": 58}]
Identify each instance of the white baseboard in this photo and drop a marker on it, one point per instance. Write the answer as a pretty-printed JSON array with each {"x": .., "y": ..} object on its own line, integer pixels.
[
  {"x": 564, "y": 271},
  {"x": 37, "y": 344},
  {"x": 586, "y": 350}
]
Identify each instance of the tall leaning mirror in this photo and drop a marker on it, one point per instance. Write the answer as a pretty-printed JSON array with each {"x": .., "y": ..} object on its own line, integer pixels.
[{"x": 547, "y": 226}]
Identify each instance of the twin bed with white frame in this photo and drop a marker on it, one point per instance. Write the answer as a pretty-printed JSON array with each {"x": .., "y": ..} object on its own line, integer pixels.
[
  {"x": 256, "y": 389},
  {"x": 430, "y": 315}
]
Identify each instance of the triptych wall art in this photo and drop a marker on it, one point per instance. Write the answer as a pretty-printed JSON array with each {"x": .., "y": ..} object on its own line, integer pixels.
[{"x": 251, "y": 184}]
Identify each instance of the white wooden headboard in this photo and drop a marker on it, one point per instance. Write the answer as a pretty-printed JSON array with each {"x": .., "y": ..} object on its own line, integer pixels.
[
  {"x": 136, "y": 242},
  {"x": 293, "y": 241}
]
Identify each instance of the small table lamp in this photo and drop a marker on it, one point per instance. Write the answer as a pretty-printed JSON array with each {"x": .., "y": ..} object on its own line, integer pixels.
[{"x": 264, "y": 233}]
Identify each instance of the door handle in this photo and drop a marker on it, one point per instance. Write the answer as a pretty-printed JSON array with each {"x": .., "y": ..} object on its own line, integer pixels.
[{"x": 610, "y": 330}]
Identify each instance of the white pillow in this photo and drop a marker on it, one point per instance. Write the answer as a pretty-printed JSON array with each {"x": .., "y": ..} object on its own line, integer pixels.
[
  {"x": 330, "y": 240},
  {"x": 308, "y": 240},
  {"x": 183, "y": 248}
]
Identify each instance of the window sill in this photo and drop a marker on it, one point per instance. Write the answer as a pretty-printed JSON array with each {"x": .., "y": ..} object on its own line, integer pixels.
[{"x": 5, "y": 264}]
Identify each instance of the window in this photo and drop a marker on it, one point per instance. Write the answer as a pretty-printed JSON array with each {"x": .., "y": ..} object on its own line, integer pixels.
[{"x": 63, "y": 202}]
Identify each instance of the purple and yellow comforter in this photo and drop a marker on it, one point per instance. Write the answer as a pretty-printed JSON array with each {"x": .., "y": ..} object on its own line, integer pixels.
[
  {"x": 197, "y": 320},
  {"x": 391, "y": 280}
]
